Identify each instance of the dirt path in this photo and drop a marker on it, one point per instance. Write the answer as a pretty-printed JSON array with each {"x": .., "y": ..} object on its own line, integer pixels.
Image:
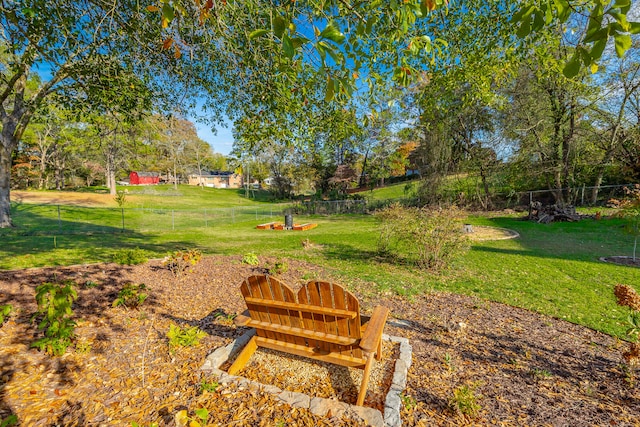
[{"x": 63, "y": 197}]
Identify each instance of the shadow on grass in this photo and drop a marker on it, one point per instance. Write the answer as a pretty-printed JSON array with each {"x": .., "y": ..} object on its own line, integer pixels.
[{"x": 344, "y": 252}]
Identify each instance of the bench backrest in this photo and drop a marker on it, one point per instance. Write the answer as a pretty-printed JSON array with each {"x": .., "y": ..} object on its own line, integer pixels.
[{"x": 323, "y": 315}]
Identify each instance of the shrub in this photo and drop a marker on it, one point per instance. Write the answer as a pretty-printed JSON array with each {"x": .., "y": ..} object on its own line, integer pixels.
[
  {"x": 11, "y": 420},
  {"x": 464, "y": 401},
  {"x": 5, "y": 310},
  {"x": 187, "y": 337},
  {"x": 432, "y": 236},
  {"x": 54, "y": 304},
  {"x": 129, "y": 256},
  {"x": 279, "y": 267},
  {"x": 179, "y": 261},
  {"x": 628, "y": 297},
  {"x": 131, "y": 296},
  {"x": 120, "y": 198},
  {"x": 250, "y": 258}
]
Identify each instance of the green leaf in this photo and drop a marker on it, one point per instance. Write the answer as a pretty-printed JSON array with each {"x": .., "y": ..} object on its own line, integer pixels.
[
  {"x": 525, "y": 27},
  {"x": 572, "y": 68},
  {"x": 525, "y": 11},
  {"x": 328, "y": 96},
  {"x": 257, "y": 33},
  {"x": 168, "y": 12},
  {"x": 621, "y": 4},
  {"x": 622, "y": 20},
  {"x": 599, "y": 34},
  {"x": 598, "y": 48},
  {"x": 331, "y": 32},
  {"x": 279, "y": 25},
  {"x": 563, "y": 8},
  {"x": 322, "y": 51},
  {"x": 287, "y": 46},
  {"x": 28, "y": 12},
  {"x": 329, "y": 49},
  {"x": 623, "y": 43},
  {"x": 299, "y": 41},
  {"x": 634, "y": 28},
  {"x": 202, "y": 413}
]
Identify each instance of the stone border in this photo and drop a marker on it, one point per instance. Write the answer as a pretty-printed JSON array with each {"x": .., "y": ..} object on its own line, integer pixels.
[{"x": 317, "y": 405}]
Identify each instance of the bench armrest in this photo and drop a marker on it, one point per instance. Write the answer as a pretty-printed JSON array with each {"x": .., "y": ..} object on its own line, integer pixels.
[
  {"x": 242, "y": 319},
  {"x": 373, "y": 333}
]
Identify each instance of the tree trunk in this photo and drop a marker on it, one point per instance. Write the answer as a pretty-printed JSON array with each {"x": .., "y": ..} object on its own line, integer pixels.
[{"x": 5, "y": 186}]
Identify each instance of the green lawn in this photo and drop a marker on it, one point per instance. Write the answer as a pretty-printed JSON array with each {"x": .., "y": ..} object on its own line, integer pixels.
[{"x": 552, "y": 269}]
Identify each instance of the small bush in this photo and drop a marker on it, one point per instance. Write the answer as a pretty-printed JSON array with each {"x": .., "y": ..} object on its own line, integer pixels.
[
  {"x": 187, "y": 337},
  {"x": 432, "y": 237},
  {"x": 279, "y": 267},
  {"x": 464, "y": 401},
  {"x": 626, "y": 296},
  {"x": 5, "y": 311},
  {"x": 120, "y": 198},
  {"x": 211, "y": 387},
  {"x": 83, "y": 346},
  {"x": 131, "y": 296},
  {"x": 11, "y": 420},
  {"x": 54, "y": 305},
  {"x": 179, "y": 261},
  {"x": 250, "y": 258},
  {"x": 129, "y": 256}
]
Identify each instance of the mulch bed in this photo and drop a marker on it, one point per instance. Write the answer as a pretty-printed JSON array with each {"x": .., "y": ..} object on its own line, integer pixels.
[
  {"x": 501, "y": 364},
  {"x": 623, "y": 260}
]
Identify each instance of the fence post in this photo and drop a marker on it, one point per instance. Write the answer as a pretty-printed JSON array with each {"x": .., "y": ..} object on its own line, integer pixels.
[
  {"x": 582, "y": 197},
  {"x": 122, "y": 211},
  {"x": 530, "y": 197},
  {"x": 59, "y": 220}
]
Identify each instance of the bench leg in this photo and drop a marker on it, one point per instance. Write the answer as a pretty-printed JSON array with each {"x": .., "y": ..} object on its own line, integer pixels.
[
  {"x": 365, "y": 380},
  {"x": 244, "y": 356}
]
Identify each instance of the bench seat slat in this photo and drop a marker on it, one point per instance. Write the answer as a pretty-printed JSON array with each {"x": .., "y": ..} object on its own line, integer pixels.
[
  {"x": 302, "y": 307},
  {"x": 300, "y": 332}
]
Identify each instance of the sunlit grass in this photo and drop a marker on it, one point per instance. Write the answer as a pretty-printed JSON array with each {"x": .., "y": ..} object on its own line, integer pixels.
[{"x": 552, "y": 269}]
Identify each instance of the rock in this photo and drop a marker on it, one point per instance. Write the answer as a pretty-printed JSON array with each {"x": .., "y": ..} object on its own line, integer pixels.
[
  {"x": 297, "y": 400},
  {"x": 371, "y": 417}
]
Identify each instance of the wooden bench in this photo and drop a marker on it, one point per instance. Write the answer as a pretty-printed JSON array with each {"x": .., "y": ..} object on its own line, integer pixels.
[
  {"x": 321, "y": 322},
  {"x": 266, "y": 226},
  {"x": 304, "y": 227}
]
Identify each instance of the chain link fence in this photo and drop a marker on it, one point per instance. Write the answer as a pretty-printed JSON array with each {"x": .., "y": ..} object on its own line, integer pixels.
[
  {"x": 331, "y": 207},
  {"x": 63, "y": 219}
]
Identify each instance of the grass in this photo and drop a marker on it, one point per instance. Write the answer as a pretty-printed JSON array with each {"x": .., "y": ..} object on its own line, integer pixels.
[{"x": 552, "y": 269}]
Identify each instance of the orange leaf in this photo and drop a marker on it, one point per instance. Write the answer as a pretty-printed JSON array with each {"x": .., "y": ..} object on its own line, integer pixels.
[
  {"x": 166, "y": 44},
  {"x": 153, "y": 8},
  {"x": 177, "y": 54}
]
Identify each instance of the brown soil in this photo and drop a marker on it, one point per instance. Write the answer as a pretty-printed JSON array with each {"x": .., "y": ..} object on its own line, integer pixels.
[
  {"x": 62, "y": 197},
  {"x": 622, "y": 260},
  {"x": 517, "y": 367},
  {"x": 482, "y": 232}
]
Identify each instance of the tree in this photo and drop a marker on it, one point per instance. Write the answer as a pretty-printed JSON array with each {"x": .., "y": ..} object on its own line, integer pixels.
[
  {"x": 373, "y": 36},
  {"x": 81, "y": 45},
  {"x": 614, "y": 114}
]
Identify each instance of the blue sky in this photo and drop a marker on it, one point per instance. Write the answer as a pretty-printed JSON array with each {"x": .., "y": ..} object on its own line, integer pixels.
[{"x": 222, "y": 141}]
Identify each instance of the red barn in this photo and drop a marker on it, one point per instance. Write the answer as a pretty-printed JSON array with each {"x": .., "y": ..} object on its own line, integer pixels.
[{"x": 144, "y": 178}]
